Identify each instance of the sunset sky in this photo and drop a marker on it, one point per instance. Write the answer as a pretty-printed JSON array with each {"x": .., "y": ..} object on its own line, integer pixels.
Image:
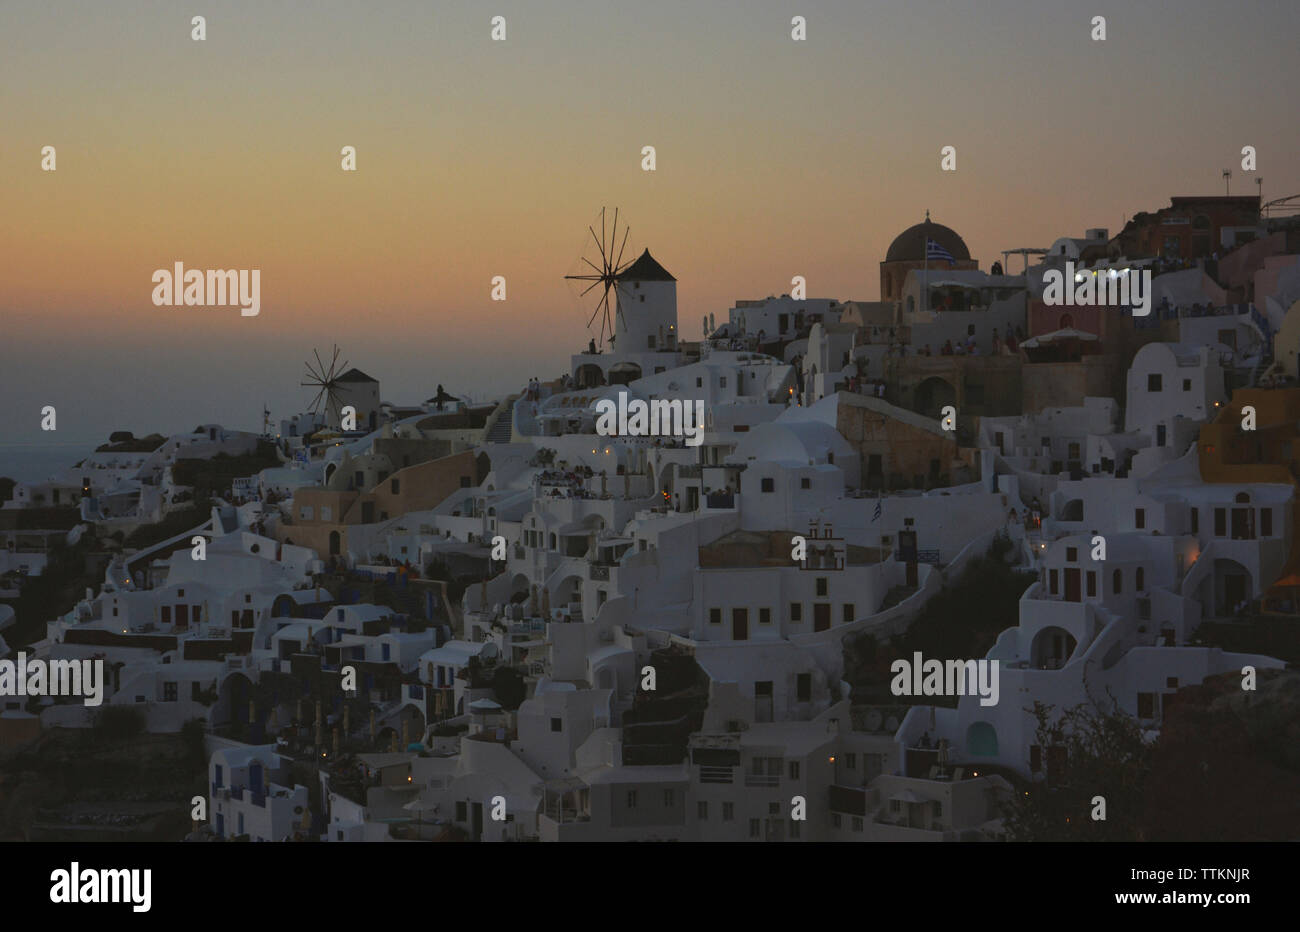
[{"x": 478, "y": 158}]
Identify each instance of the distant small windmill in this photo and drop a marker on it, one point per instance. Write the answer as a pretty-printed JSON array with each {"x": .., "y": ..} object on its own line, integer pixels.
[
  {"x": 325, "y": 380},
  {"x": 605, "y": 274}
]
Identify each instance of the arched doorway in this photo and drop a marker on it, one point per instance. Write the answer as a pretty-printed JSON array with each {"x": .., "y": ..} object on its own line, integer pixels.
[
  {"x": 1052, "y": 648},
  {"x": 933, "y": 395},
  {"x": 982, "y": 740},
  {"x": 589, "y": 376}
]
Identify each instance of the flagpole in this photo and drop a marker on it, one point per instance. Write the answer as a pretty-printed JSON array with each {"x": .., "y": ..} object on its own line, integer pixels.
[{"x": 925, "y": 288}]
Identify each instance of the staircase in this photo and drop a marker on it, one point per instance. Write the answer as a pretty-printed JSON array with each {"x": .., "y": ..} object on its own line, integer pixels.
[{"x": 502, "y": 429}]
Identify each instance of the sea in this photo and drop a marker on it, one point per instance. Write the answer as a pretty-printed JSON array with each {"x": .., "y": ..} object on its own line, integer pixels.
[{"x": 33, "y": 461}]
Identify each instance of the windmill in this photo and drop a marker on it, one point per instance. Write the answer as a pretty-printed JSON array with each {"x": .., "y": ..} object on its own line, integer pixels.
[
  {"x": 605, "y": 274},
  {"x": 325, "y": 380}
]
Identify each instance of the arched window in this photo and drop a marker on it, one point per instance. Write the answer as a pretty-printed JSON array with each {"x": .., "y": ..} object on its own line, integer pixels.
[
  {"x": 1117, "y": 581},
  {"x": 1243, "y": 498}
]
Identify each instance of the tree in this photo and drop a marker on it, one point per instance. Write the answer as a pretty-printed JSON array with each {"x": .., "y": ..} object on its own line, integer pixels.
[
  {"x": 1090, "y": 752},
  {"x": 508, "y": 685}
]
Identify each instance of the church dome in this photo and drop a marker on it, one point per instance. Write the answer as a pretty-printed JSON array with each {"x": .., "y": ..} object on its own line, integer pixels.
[{"x": 909, "y": 246}]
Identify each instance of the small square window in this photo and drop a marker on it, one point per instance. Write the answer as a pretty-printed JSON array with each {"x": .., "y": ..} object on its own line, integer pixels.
[
  {"x": 557, "y": 724},
  {"x": 715, "y": 616},
  {"x": 764, "y": 616},
  {"x": 796, "y": 612},
  {"x": 1187, "y": 385},
  {"x": 805, "y": 483},
  {"x": 1154, "y": 382},
  {"x": 821, "y": 586},
  {"x": 769, "y": 484}
]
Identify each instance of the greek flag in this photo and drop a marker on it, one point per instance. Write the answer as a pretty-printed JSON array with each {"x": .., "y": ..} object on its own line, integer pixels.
[
  {"x": 934, "y": 251},
  {"x": 876, "y": 515}
]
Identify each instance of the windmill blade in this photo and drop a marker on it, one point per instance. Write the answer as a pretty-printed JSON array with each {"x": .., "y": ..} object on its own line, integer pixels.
[
  {"x": 617, "y": 264},
  {"x": 599, "y": 306},
  {"x": 588, "y": 288}
]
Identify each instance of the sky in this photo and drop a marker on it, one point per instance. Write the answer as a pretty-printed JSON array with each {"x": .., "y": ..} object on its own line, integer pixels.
[{"x": 479, "y": 158}]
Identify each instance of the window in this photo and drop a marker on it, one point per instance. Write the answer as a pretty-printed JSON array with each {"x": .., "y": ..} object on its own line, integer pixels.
[
  {"x": 821, "y": 586},
  {"x": 715, "y": 616},
  {"x": 1140, "y": 518},
  {"x": 670, "y": 799},
  {"x": 857, "y": 823},
  {"x": 1266, "y": 522},
  {"x": 1053, "y": 577},
  {"x": 1146, "y": 705},
  {"x": 631, "y": 799},
  {"x": 1153, "y": 382},
  {"x": 1072, "y": 554},
  {"x": 699, "y": 382},
  {"x": 1187, "y": 385},
  {"x": 195, "y": 691},
  {"x": 650, "y": 340},
  {"x": 169, "y": 692},
  {"x": 938, "y": 809},
  {"x": 722, "y": 381},
  {"x": 851, "y": 761},
  {"x": 702, "y": 811},
  {"x": 768, "y": 484},
  {"x": 557, "y": 724},
  {"x": 1140, "y": 581},
  {"x": 764, "y": 616},
  {"x": 728, "y": 812},
  {"x": 847, "y": 612},
  {"x": 1117, "y": 581},
  {"x": 1220, "y": 522},
  {"x": 774, "y": 808},
  {"x": 794, "y": 770},
  {"x": 836, "y": 820},
  {"x": 805, "y": 483},
  {"x": 1092, "y": 584},
  {"x": 462, "y": 813},
  {"x": 755, "y": 828},
  {"x": 1196, "y": 520},
  {"x": 1171, "y": 682},
  {"x": 794, "y": 829},
  {"x": 895, "y": 806},
  {"x": 465, "y": 482},
  {"x": 395, "y": 486},
  {"x": 803, "y": 687},
  {"x": 796, "y": 612}
]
